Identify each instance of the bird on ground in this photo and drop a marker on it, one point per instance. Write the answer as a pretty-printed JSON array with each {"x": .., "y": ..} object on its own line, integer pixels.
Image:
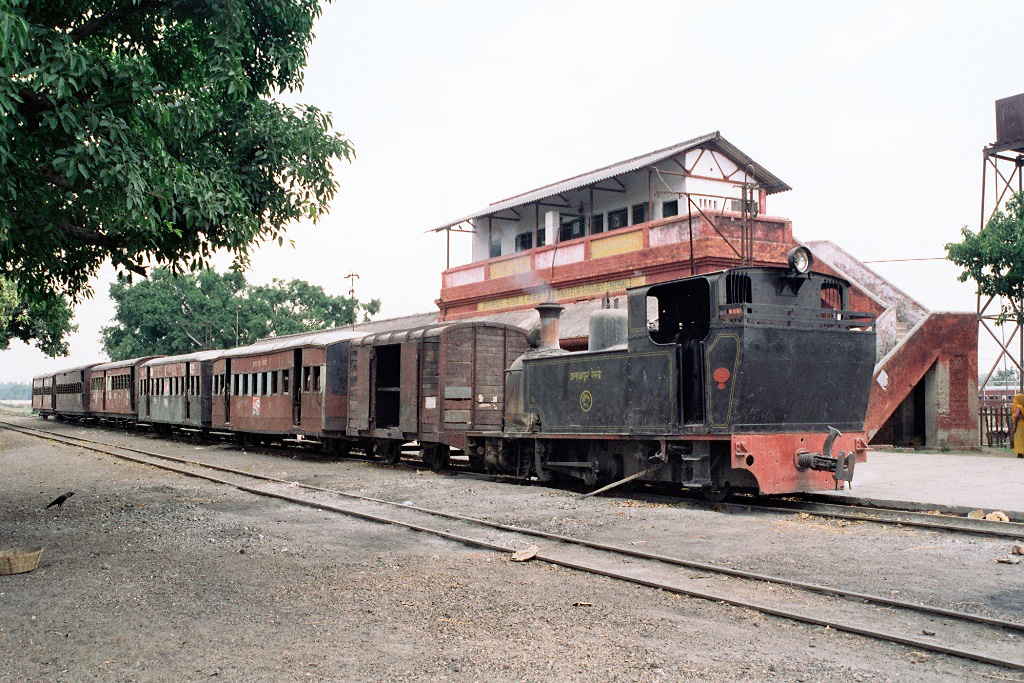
[{"x": 60, "y": 500}]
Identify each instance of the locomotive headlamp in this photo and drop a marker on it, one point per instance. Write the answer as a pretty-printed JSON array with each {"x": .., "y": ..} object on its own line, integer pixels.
[{"x": 800, "y": 260}]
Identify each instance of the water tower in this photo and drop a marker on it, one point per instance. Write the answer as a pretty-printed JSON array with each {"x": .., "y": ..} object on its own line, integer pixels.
[{"x": 1001, "y": 177}]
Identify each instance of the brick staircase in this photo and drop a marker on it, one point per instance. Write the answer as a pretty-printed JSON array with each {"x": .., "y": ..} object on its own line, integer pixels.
[{"x": 911, "y": 343}]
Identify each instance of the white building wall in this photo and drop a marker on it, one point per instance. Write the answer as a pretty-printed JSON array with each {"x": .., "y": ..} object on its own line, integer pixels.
[{"x": 712, "y": 167}]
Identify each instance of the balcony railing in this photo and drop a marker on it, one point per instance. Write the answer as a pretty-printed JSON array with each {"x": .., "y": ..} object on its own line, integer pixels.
[{"x": 652, "y": 234}]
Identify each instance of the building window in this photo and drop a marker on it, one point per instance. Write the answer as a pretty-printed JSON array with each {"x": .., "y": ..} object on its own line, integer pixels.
[
  {"x": 639, "y": 213},
  {"x": 524, "y": 241},
  {"x": 618, "y": 219},
  {"x": 670, "y": 208},
  {"x": 495, "y": 246},
  {"x": 540, "y": 237},
  {"x": 571, "y": 228},
  {"x": 597, "y": 224}
]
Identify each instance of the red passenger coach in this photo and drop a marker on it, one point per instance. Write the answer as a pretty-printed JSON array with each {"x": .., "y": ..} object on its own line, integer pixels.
[
  {"x": 112, "y": 389},
  {"x": 295, "y": 385}
]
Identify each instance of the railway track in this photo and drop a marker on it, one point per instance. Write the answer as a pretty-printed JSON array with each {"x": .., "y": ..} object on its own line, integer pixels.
[
  {"x": 873, "y": 616},
  {"x": 939, "y": 521}
]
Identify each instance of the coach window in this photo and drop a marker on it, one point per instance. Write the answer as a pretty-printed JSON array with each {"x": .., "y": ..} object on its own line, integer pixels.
[
  {"x": 274, "y": 384},
  {"x": 316, "y": 378},
  {"x": 306, "y": 375},
  {"x": 284, "y": 381}
]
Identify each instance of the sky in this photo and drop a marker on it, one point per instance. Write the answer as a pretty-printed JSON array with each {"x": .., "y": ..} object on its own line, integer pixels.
[{"x": 874, "y": 112}]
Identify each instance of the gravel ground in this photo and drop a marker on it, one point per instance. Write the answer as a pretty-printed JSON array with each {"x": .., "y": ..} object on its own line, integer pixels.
[{"x": 149, "y": 576}]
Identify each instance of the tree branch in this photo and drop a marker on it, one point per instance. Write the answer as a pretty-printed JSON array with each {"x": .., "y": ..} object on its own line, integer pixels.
[
  {"x": 97, "y": 24},
  {"x": 100, "y": 240}
]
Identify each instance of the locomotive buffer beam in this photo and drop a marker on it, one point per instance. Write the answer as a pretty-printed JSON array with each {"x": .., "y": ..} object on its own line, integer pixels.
[{"x": 840, "y": 466}]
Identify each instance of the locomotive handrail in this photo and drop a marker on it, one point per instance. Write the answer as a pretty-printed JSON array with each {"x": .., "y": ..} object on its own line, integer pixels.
[{"x": 799, "y": 317}]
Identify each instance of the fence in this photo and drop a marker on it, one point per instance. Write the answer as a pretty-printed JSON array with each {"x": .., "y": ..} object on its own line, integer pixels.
[{"x": 994, "y": 422}]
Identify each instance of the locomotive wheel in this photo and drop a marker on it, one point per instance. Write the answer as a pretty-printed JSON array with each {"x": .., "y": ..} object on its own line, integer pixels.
[
  {"x": 389, "y": 452},
  {"x": 718, "y": 495},
  {"x": 435, "y": 455}
]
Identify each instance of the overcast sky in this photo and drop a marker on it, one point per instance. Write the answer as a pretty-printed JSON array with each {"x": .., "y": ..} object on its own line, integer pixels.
[{"x": 874, "y": 112}]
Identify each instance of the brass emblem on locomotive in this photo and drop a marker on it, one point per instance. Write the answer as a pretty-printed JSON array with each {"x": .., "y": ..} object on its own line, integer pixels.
[{"x": 586, "y": 401}]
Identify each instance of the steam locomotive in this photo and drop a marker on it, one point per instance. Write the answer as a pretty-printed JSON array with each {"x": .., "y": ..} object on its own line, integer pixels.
[{"x": 744, "y": 379}]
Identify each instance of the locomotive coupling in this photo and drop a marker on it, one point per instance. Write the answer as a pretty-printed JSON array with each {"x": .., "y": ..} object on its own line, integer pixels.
[{"x": 840, "y": 466}]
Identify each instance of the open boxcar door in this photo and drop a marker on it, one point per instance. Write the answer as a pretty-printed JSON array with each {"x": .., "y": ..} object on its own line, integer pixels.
[{"x": 408, "y": 420}]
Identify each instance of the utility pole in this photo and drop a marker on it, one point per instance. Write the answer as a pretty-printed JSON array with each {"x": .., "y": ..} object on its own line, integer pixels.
[{"x": 352, "y": 277}]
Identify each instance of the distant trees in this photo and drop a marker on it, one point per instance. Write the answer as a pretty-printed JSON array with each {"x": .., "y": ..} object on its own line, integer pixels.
[
  {"x": 1005, "y": 377},
  {"x": 168, "y": 315},
  {"x": 15, "y": 391},
  {"x": 148, "y": 132},
  {"x": 994, "y": 258}
]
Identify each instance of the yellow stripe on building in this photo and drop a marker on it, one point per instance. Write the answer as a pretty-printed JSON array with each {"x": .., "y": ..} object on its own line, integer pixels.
[
  {"x": 513, "y": 266},
  {"x": 578, "y": 292},
  {"x": 617, "y": 244}
]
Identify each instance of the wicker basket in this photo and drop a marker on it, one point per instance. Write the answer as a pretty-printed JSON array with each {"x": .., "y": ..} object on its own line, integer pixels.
[{"x": 19, "y": 560}]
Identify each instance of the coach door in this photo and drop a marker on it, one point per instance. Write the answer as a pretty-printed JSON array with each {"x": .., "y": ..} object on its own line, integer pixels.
[
  {"x": 359, "y": 388},
  {"x": 229, "y": 387},
  {"x": 297, "y": 387},
  {"x": 410, "y": 388},
  {"x": 188, "y": 390}
]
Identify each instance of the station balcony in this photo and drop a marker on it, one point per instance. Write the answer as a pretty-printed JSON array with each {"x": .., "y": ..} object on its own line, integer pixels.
[{"x": 609, "y": 262}]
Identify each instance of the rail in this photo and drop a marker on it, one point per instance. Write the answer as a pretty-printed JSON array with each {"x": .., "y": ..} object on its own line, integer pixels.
[{"x": 595, "y": 566}]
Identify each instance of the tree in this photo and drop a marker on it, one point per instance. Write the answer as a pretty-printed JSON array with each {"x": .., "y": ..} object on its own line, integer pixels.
[
  {"x": 167, "y": 314},
  {"x": 144, "y": 131},
  {"x": 15, "y": 391},
  {"x": 994, "y": 258},
  {"x": 47, "y": 322},
  {"x": 1005, "y": 377}
]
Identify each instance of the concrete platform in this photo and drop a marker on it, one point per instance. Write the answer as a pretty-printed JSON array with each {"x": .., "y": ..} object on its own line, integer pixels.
[{"x": 989, "y": 481}]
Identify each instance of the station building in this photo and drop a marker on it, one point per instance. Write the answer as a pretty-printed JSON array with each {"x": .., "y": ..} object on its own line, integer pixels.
[{"x": 696, "y": 207}]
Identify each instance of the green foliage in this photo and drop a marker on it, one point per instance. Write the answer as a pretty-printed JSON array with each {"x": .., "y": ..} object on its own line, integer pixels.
[
  {"x": 168, "y": 314},
  {"x": 1004, "y": 377},
  {"x": 144, "y": 131},
  {"x": 16, "y": 391},
  {"x": 45, "y": 322},
  {"x": 994, "y": 257}
]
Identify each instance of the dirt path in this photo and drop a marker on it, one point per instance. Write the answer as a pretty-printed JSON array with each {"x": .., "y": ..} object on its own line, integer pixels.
[{"x": 147, "y": 576}]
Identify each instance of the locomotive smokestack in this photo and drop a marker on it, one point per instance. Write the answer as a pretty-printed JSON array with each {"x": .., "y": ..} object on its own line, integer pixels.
[{"x": 549, "y": 316}]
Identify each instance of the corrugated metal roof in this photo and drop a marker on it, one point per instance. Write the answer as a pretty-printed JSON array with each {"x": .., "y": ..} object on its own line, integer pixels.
[
  {"x": 273, "y": 344},
  {"x": 119, "y": 363},
  {"x": 184, "y": 358},
  {"x": 769, "y": 181}
]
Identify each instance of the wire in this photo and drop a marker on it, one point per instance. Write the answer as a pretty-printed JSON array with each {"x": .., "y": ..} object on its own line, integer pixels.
[{"x": 901, "y": 260}]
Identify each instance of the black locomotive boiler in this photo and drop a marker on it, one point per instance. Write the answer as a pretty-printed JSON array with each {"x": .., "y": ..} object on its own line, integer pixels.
[{"x": 749, "y": 378}]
